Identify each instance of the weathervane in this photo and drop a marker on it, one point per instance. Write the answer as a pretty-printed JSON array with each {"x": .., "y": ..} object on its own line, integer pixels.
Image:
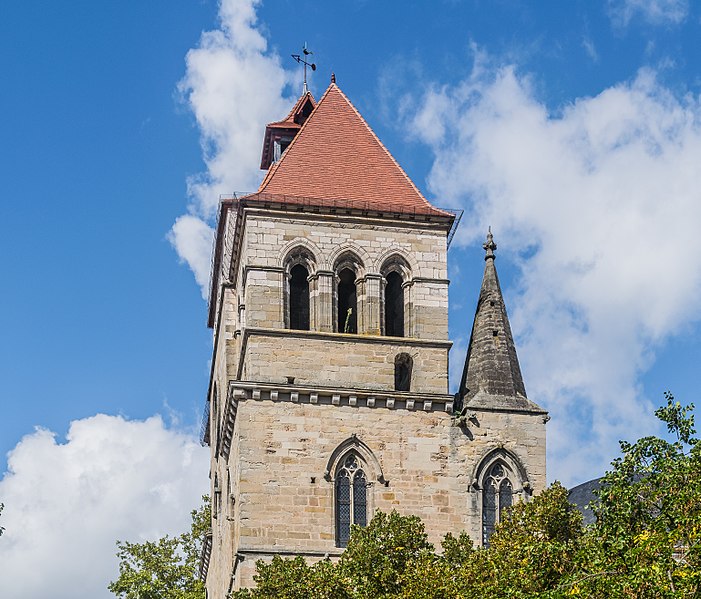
[{"x": 301, "y": 58}]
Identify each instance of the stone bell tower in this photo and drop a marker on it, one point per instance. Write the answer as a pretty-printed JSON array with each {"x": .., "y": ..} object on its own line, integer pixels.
[{"x": 329, "y": 393}]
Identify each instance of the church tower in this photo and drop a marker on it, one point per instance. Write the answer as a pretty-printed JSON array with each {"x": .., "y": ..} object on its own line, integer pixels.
[{"x": 329, "y": 392}]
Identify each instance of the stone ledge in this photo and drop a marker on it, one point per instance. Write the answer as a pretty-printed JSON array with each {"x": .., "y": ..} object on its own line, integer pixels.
[
  {"x": 244, "y": 552},
  {"x": 345, "y": 337},
  {"x": 357, "y": 398}
]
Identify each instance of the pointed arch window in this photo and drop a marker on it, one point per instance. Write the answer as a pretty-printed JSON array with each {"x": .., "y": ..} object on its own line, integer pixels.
[
  {"x": 299, "y": 298},
  {"x": 351, "y": 497},
  {"x": 394, "y": 305},
  {"x": 347, "y": 302},
  {"x": 497, "y": 496}
]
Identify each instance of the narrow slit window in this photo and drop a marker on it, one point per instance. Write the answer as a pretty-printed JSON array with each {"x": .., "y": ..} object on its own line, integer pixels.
[
  {"x": 394, "y": 305},
  {"x": 299, "y": 298},
  {"x": 347, "y": 302},
  {"x": 402, "y": 372}
]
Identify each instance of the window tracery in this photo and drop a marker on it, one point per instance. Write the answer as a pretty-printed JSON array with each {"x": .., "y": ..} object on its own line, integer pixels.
[
  {"x": 497, "y": 496},
  {"x": 351, "y": 497}
]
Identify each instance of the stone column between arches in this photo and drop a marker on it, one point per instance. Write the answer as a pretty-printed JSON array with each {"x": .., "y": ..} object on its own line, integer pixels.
[
  {"x": 322, "y": 300},
  {"x": 369, "y": 304}
]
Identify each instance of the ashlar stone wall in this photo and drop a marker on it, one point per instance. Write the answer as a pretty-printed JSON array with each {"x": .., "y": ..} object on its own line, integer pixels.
[
  {"x": 286, "y": 405},
  {"x": 421, "y": 463}
]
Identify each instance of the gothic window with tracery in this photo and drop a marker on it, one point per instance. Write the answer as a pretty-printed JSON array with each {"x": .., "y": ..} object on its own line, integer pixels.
[
  {"x": 497, "y": 496},
  {"x": 351, "y": 497}
]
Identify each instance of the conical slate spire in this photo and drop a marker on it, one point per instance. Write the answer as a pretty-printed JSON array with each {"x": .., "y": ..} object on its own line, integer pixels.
[{"x": 492, "y": 376}]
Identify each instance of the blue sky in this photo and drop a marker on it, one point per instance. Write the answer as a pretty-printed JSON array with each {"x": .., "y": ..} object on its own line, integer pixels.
[{"x": 572, "y": 128}]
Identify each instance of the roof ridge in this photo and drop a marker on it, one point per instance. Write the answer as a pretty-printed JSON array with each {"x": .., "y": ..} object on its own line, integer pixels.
[
  {"x": 296, "y": 106},
  {"x": 379, "y": 141},
  {"x": 335, "y": 154}
]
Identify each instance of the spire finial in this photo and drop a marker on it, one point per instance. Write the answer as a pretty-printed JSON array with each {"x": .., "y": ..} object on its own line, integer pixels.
[
  {"x": 489, "y": 246},
  {"x": 333, "y": 77}
]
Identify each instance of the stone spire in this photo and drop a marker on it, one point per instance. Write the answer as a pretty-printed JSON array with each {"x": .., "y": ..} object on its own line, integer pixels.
[{"x": 492, "y": 376}]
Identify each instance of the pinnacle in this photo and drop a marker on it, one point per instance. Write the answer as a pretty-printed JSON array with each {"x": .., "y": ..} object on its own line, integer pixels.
[{"x": 492, "y": 375}]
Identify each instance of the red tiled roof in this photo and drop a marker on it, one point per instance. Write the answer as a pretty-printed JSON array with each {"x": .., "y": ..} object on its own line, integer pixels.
[{"x": 336, "y": 157}]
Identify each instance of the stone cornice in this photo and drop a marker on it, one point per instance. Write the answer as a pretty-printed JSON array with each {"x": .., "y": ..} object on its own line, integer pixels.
[
  {"x": 344, "y": 337},
  {"x": 244, "y": 552},
  {"x": 308, "y": 394}
]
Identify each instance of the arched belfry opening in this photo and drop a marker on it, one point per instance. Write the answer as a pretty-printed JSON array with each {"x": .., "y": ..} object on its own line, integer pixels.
[
  {"x": 299, "y": 298},
  {"x": 394, "y": 305},
  {"x": 298, "y": 264},
  {"x": 347, "y": 302},
  {"x": 403, "y": 365}
]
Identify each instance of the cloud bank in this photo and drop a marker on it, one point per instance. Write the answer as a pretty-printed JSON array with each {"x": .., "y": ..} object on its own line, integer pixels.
[
  {"x": 600, "y": 206},
  {"x": 233, "y": 85},
  {"x": 654, "y": 12},
  {"x": 66, "y": 504}
]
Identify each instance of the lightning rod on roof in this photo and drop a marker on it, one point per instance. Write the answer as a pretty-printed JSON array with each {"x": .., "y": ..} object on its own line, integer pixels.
[{"x": 302, "y": 59}]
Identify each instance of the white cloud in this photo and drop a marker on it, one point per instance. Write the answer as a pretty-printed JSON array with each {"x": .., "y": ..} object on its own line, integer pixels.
[
  {"x": 66, "y": 504},
  {"x": 655, "y": 12},
  {"x": 590, "y": 49},
  {"x": 234, "y": 85},
  {"x": 600, "y": 206},
  {"x": 192, "y": 239}
]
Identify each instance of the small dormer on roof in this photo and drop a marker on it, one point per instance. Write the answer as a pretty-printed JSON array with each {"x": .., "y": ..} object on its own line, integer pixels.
[{"x": 279, "y": 135}]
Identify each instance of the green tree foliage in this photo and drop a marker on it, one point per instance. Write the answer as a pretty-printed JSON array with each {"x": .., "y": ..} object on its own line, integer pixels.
[
  {"x": 378, "y": 555},
  {"x": 535, "y": 545},
  {"x": 646, "y": 540},
  {"x": 166, "y": 568},
  {"x": 644, "y": 544},
  {"x": 295, "y": 579}
]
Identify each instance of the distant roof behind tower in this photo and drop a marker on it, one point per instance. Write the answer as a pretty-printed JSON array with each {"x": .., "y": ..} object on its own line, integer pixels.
[{"x": 336, "y": 157}]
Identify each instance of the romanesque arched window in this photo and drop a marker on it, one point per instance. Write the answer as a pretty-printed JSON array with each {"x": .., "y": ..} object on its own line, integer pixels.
[
  {"x": 298, "y": 263},
  {"x": 394, "y": 305},
  {"x": 347, "y": 296},
  {"x": 299, "y": 297},
  {"x": 402, "y": 372},
  {"x": 396, "y": 312},
  {"x": 351, "y": 496},
  {"x": 497, "y": 496}
]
